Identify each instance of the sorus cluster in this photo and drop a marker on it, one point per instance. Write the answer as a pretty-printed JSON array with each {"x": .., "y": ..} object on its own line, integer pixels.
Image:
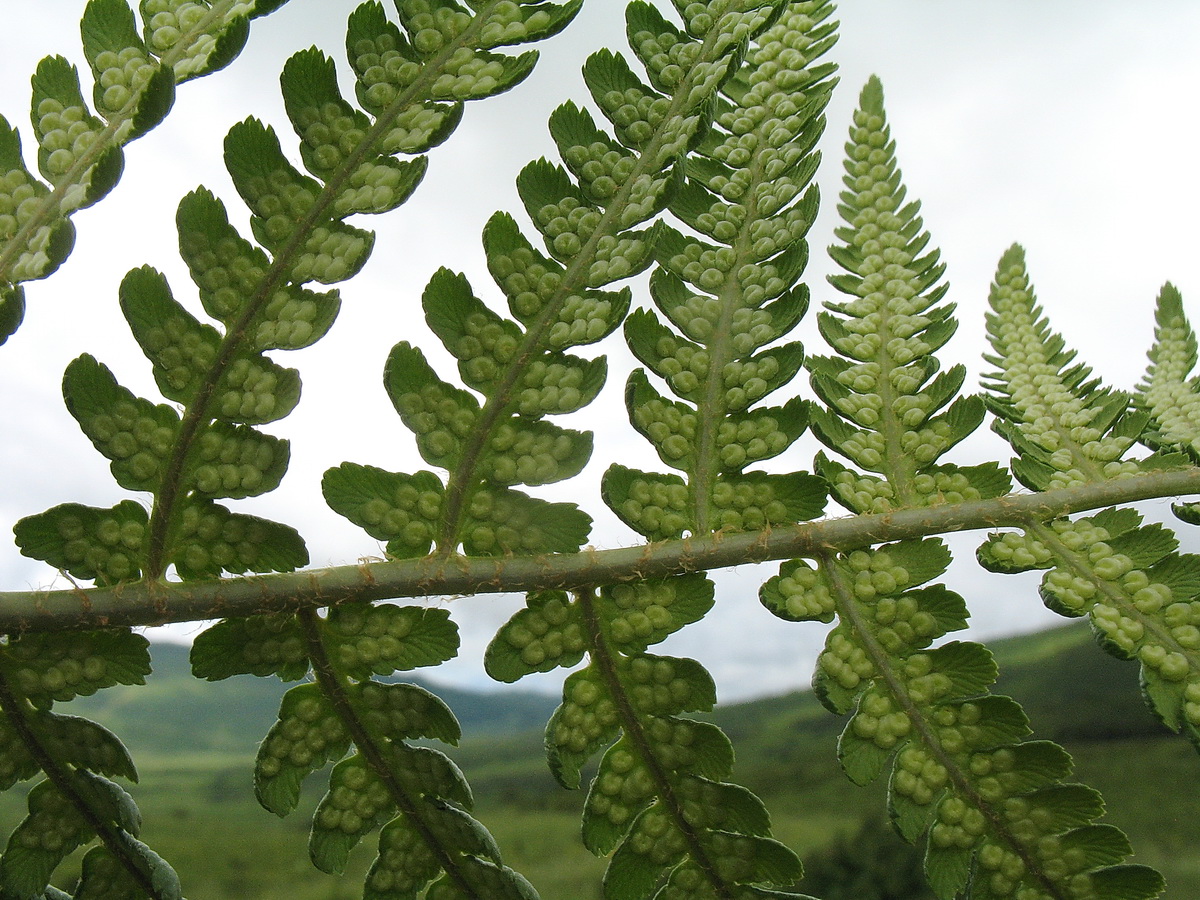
[
  {"x": 413, "y": 129},
  {"x": 171, "y": 21},
  {"x": 671, "y": 427},
  {"x": 656, "y": 837},
  {"x": 107, "y": 876},
  {"x": 534, "y": 453},
  {"x": 655, "y": 506},
  {"x": 799, "y": 592},
  {"x": 210, "y": 538},
  {"x": 375, "y": 187},
  {"x": 623, "y": 786},
  {"x": 440, "y": 418},
  {"x": 54, "y": 825},
  {"x": 236, "y": 461},
  {"x": 291, "y": 319},
  {"x": 307, "y": 734},
  {"x": 602, "y": 168},
  {"x": 1036, "y": 824},
  {"x": 405, "y": 863},
  {"x": 280, "y": 199},
  {"x": 370, "y": 638},
  {"x": 271, "y": 644},
  {"x": 120, "y": 78},
  {"x": 502, "y": 521},
  {"x": 567, "y": 224},
  {"x": 1015, "y": 551},
  {"x": 744, "y": 504},
  {"x": 657, "y": 685},
  {"x": 383, "y": 70},
  {"x": 587, "y": 713},
  {"x": 15, "y": 762},
  {"x": 331, "y": 253},
  {"x": 135, "y": 435},
  {"x": 249, "y": 391},
  {"x": 227, "y": 270},
  {"x": 20, "y": 200},
  {"x": 486, "y": 345},
  {"x": 102, "y": 544},
  {"x": 783, "y": 52},
  {"x": 555, "y": 386},
  {"x": 667, "y": 56},
  {"x": 845, "y": 661},
  {"x": 43, "y": 667},
  {"x": 182, "y": 349},
  {"x": 734, "y": 25},
  {"x": 356, "y": 800},
  {"x": 330, "y": 132},
  {"x": 635, "y": 114},
  {"x": 510, "y": 23},
  {"x": 433, "y": 26},
  {"x": 405, "y": 515},
  {"x": 526, "y": 278},
  {"x": 402, "y": 711},
  {"x": 469, "y": 75},
  {"x": 546, "y": 634},
  {"x": 639, "y": 614},
  {"x": 699, "y": 315},
  {"x": 65, "y": 132}
]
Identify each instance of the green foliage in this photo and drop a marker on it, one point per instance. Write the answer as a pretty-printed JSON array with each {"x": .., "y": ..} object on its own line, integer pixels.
[{"x": 702, "y": 175}]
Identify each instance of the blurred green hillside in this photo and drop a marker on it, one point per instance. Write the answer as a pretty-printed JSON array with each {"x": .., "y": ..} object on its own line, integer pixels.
[{"x": 194, "y": 744}]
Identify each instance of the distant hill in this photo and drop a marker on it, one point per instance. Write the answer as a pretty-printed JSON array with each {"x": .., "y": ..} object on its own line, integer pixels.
[
  {"x": 175, "y": 711},
  {"x": 1070, "y": 689}
]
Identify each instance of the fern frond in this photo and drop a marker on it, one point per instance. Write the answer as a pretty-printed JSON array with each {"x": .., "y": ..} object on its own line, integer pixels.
[
  {"x": 76, "y": 803},
  {"x": 889, "y": 408},
  {"x": 588, "y": 215},
  {"x": 1168, "y": 390},
  {"x": 414, "y": 795},
  {"x": 222, "y": 379},
  {"x": 748, "y": 189},
  {"x": 1139, "y": 593},
  {"x": 995, "y": 808},
  {"x": 1001, "y": 821},
  {"x": 1066, "y": 426},
  {"x": 658, "y": 802},
  {"x": 79, "y": 152}
]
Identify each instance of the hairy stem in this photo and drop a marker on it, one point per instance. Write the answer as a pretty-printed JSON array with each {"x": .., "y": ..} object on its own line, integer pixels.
[{"x": 156, "y": 603}]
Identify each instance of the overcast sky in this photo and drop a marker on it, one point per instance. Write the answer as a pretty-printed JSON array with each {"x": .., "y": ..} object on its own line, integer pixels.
[{"x": 1068, "y": 126}]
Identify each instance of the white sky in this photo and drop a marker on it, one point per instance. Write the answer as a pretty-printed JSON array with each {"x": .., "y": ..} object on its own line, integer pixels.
[{"x": 1068, "y": 126}]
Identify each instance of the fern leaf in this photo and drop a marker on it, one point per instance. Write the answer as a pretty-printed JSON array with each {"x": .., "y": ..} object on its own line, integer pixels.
[
  {"x": 888, "y": 407},
  {"x": 658, "y": 803},
  {"x": 587, "y": 215},
  {"x": 80, "y": 152},
  {"x": 1138, "y": 592},
  {"x": 996, "y": 809},
  {"x": 1068, "y": 429},
  {"x": 745, "y": 190},
  {"x": 415, "y": 796},
  {"x": 75, "y": 803},
  {"x": 222, "y": 379},
  {"x": 1168, "y": 390}
]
